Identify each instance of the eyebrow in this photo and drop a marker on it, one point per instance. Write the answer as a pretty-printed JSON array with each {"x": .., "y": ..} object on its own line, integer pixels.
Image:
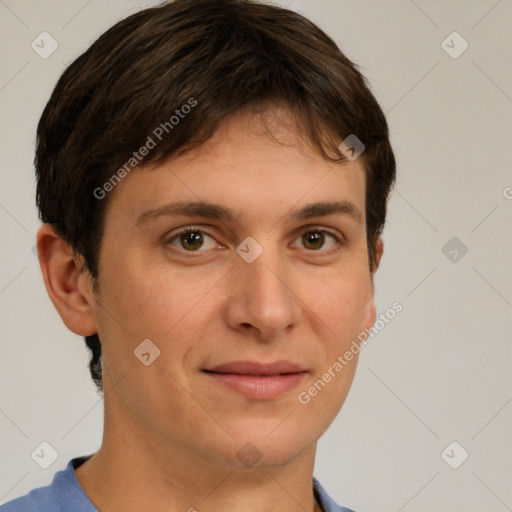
[{"x": 219, "y": 212}]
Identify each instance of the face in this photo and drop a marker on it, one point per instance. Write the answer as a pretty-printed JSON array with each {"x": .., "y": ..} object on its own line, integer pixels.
[{"x": 248, "y": 309}]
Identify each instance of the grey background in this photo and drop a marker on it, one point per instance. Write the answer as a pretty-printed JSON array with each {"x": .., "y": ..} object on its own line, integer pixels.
[{"x": 439, "y": 372}]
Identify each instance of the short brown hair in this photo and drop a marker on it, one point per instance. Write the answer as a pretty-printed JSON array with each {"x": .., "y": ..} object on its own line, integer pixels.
[{"x": 225, "y": 55}]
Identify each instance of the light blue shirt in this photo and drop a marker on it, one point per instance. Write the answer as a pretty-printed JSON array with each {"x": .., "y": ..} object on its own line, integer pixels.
[{"x": 64, "y": 494}]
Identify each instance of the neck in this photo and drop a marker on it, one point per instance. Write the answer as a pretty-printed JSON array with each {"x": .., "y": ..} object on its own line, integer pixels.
[{"x": 131, "y": 473}]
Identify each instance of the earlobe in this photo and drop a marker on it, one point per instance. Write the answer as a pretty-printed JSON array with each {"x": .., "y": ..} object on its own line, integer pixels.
[
  {"x": 371, "y": 310},
  {"x": 68, "y": 285},
  {"x": 370, "y": 316}
]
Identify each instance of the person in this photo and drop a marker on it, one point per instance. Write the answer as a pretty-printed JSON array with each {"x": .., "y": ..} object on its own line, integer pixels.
[{"x": 212, "y": 181}]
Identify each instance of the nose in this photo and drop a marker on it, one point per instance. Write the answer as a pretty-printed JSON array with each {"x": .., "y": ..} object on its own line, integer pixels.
[{"x": 262, "y": 298}]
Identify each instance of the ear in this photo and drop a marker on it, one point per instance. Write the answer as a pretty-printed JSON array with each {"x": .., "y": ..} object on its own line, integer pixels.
[
  {"x": 371, "y": 312},
  {"x": 379, "y": 250},
  {"x": 69, "y": 288}
]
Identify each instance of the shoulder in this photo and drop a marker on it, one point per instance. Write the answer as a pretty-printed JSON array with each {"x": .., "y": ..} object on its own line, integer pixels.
[
  {"x": 39, "y": 499},
  {"x": 325, "y": 501},
  {"x": 62, "y": 495}
]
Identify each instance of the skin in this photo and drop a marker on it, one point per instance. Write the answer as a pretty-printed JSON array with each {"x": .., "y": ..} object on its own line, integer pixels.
[{"x": 171, "y": 434}]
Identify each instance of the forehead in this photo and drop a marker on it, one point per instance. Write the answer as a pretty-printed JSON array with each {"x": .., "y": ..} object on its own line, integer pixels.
[{"x": 251, "y": 163}]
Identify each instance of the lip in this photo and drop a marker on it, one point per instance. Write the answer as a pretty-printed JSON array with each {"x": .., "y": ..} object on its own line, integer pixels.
[
  {"x": 259, "y": 381},
  {"x": 257, "y": 368}
]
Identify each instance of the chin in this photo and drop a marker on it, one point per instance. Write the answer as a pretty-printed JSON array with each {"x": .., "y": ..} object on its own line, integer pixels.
[{"x": 259, "y": 446}]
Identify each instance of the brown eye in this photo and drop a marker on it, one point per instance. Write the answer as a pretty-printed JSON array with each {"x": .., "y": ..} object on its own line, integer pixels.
[
  {"x": 313, "y": 240},
  {"x": 193, "y": 240},
  {"x": 320, "y": 240}
]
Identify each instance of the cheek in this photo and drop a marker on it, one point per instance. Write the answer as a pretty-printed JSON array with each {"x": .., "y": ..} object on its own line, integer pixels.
[
  {"x": 343, "y": 303},
  {"x": 153, "y": 302},
  {"x": 173, "y": 310},
  {"x": 325, "y": 393}
]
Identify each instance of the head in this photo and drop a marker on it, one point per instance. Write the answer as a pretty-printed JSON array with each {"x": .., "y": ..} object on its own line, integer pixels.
[{"x": 239, "y": 108}]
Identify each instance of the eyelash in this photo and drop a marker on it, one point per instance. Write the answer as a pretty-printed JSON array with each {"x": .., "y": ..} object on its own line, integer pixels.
[{"x": 310, "y": 229}]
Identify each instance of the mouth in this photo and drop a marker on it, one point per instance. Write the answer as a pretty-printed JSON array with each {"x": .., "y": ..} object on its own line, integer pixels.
[{"x": 258, "y": 381}]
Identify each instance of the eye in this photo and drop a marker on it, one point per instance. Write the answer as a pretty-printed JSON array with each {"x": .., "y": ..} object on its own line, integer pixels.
[
  {"x": 318, "y": 239},
  {"x": 192, "y": 239}
]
